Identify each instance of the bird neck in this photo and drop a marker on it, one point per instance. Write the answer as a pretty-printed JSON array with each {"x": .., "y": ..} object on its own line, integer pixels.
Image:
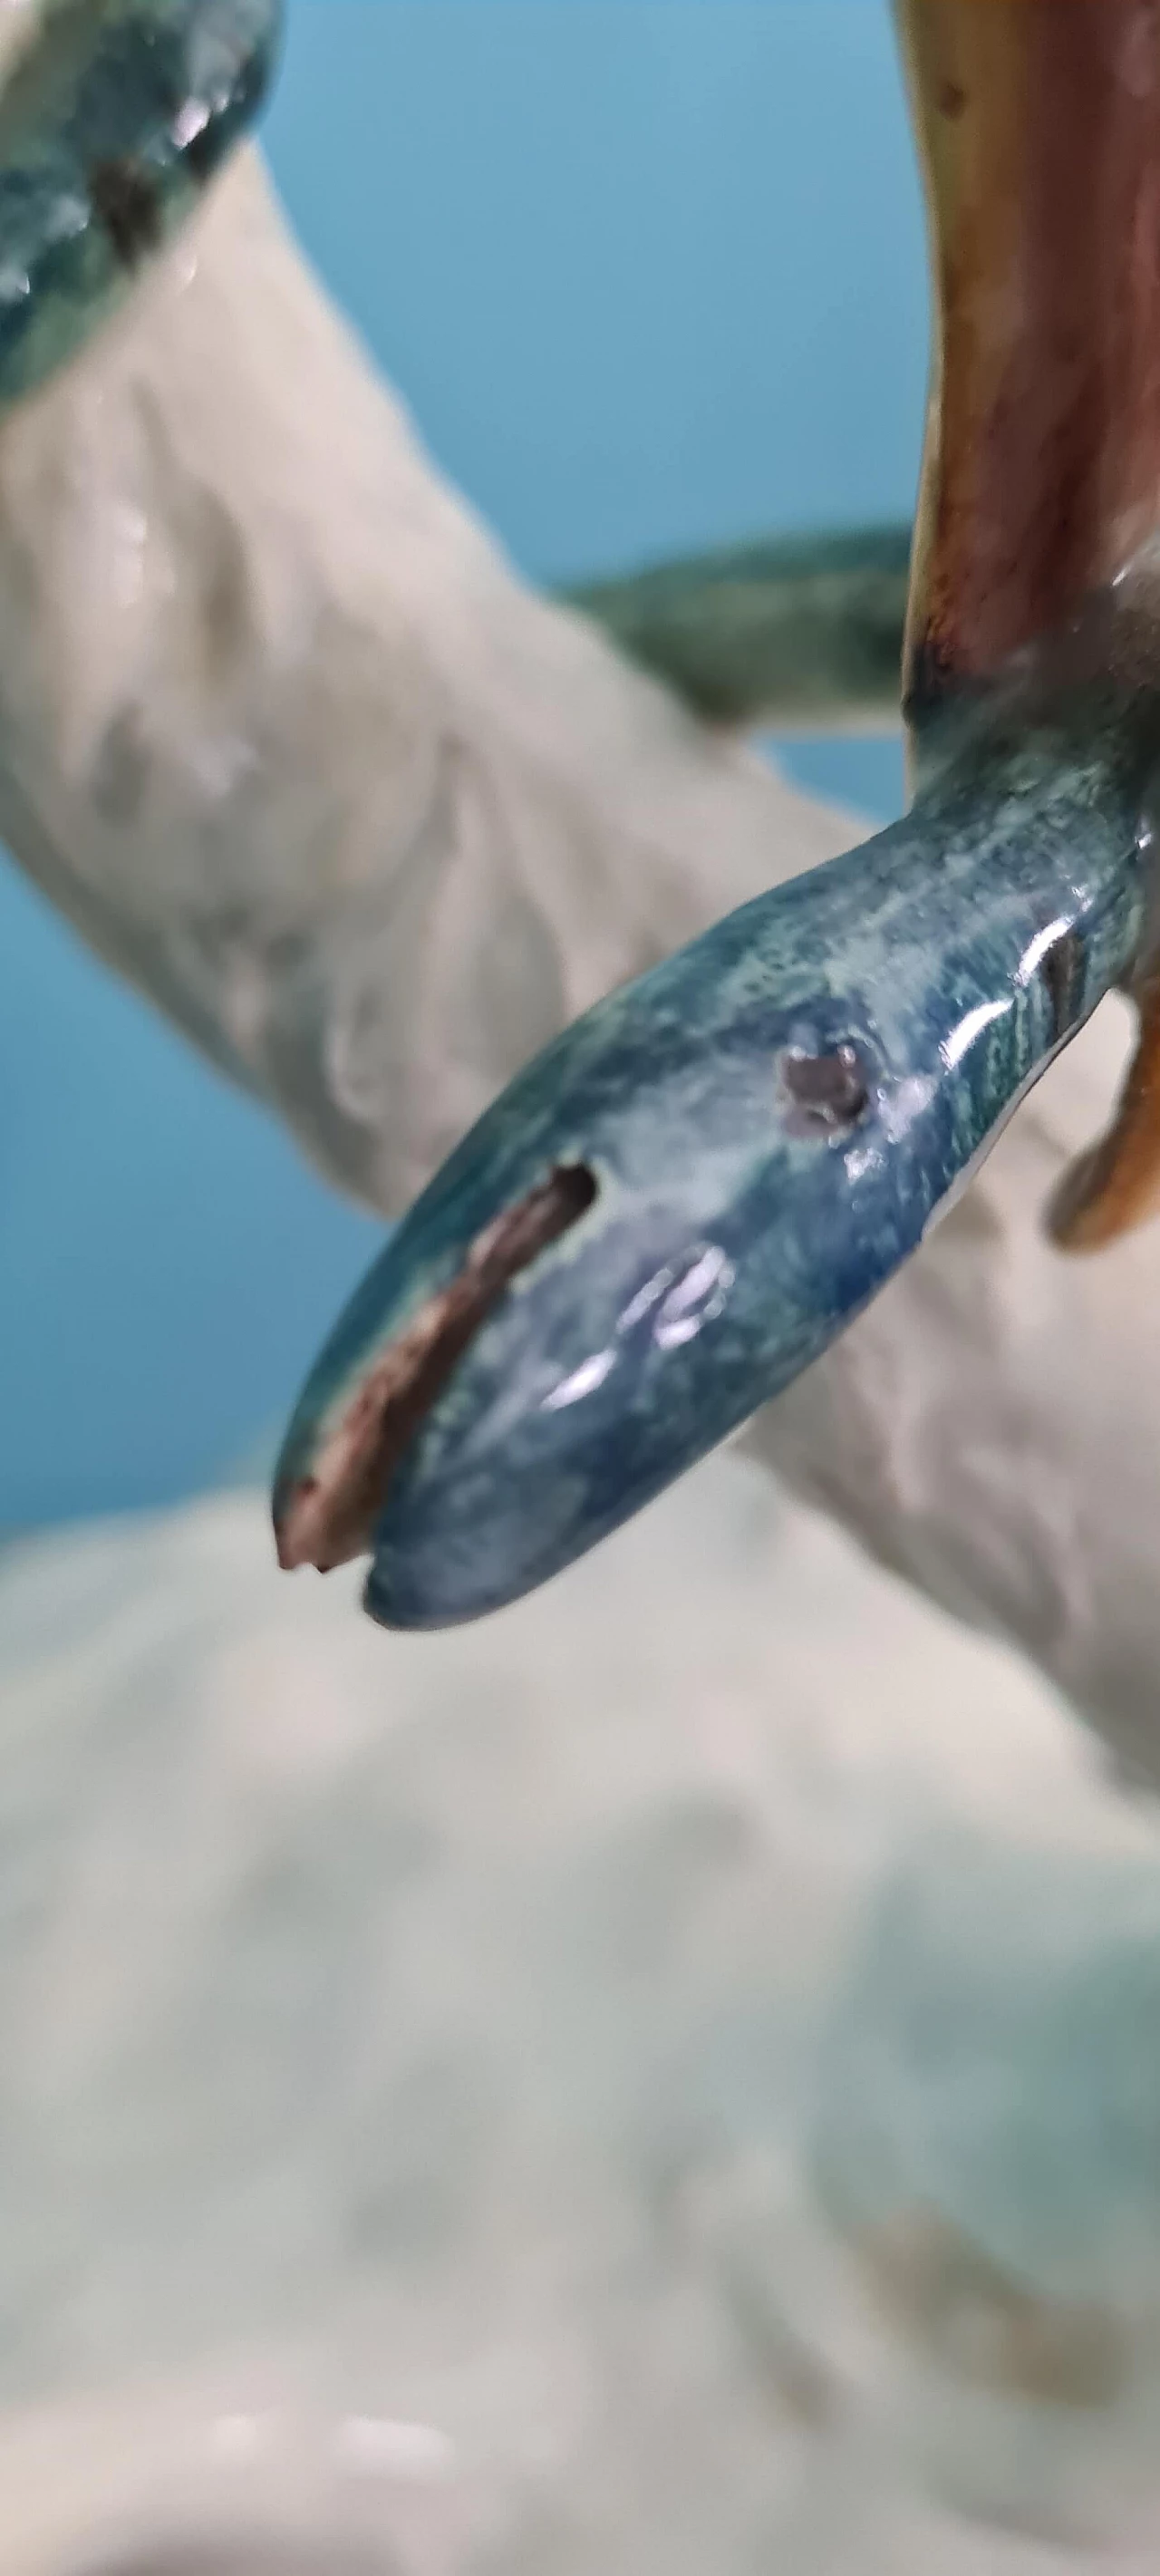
[{"x": 1038, "y": 126}]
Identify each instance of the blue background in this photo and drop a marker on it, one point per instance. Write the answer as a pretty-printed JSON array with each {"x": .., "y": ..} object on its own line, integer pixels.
[{"x": 650, "y": 274}]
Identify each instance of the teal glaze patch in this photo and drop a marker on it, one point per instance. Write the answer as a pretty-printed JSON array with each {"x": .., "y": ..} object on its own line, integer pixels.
[
  {"x": 110, "y": 127},
  {"x": 793, "y": 631}
]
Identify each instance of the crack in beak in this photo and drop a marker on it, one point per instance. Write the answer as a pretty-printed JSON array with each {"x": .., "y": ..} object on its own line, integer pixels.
[{"x": 329, "y": 1516}]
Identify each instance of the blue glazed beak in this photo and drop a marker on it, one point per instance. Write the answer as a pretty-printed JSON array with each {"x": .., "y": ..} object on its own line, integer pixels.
[
  {"x": 676, "y": 1208},
  {"x": 113, "y": 122}
]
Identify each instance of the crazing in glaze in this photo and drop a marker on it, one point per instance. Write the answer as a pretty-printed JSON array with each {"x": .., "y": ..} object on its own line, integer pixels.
[{"x": 772, "y": 1120}]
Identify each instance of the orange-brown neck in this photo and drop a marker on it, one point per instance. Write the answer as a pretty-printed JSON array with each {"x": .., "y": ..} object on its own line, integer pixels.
[{"x": 1039, "y": 128}]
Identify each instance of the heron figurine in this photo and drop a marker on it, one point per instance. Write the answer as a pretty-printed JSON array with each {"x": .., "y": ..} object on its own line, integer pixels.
[
  {"x": 294, "y": 750},
  {"x": 677, "y": 1207}
]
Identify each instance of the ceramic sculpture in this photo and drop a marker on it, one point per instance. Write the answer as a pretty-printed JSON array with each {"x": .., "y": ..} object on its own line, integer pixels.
[
  {"x": 285, "y": 739},
  {"x": 684, "y": 1199},
  {"x": 666, "y": 2080}
]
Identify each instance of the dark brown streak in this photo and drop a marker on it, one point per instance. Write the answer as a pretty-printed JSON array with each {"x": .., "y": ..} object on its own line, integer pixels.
[
  {"x": 1061, "y": 967},
  {"x": 126, "y": 202},
  {"x": 330, "y": 1515}
]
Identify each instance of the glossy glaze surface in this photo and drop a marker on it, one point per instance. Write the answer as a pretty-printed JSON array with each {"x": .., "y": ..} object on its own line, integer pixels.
[
  {"x": 798, "y": 630},
  {"x": 772, "y": 1119},
  {"x": 114, "y": 120}
]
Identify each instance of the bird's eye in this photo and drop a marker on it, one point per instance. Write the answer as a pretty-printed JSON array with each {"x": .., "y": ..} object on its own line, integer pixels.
[{"x": 827, "y": 1094}]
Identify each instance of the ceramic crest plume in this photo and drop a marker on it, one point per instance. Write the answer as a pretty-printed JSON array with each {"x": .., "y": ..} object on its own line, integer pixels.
[{"x": 676, "y": 1208}]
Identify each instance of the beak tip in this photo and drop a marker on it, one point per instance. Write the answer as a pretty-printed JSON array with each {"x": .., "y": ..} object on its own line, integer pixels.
[{"x": 297, "y": 1527}]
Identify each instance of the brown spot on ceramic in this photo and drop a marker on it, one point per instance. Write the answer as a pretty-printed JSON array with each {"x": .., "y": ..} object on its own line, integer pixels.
[
  {"x": 952, "y": 99},
  {"x": 127, "y": 203},
  {"x": 1061, "y": 967},
  {"x": 828, "y": 1092}
]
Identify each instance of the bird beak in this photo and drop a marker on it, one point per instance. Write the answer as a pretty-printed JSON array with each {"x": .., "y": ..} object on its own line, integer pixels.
[{"x": 676, "y": 1208}]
